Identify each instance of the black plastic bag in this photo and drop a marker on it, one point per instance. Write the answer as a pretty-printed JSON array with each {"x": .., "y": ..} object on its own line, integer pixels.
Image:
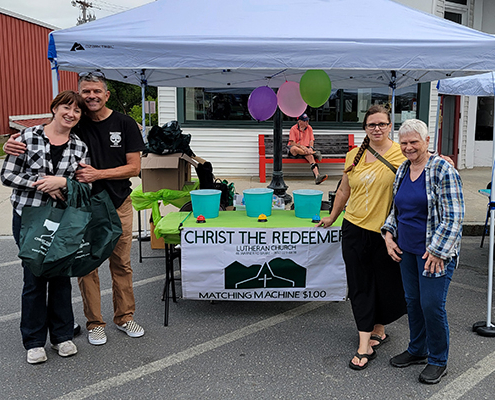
[
  {"x": 169, "y": 139},
  {"x": 228, "y": 192}
]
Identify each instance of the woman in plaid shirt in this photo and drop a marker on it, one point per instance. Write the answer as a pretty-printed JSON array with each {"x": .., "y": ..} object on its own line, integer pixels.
[
  {"x": 52, "y": 156},
  {"x": 423, "y": 233}
]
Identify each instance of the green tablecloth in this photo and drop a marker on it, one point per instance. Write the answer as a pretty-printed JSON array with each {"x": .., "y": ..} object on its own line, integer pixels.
[
  {"x": 168, "y": 226},
  {"x": 144, "y": 200}
]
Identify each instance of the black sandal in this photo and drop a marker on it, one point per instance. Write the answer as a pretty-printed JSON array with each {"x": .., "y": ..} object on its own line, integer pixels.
[
  {"x": 369, "y": 357},
  {"x": 380, "y": 341}
]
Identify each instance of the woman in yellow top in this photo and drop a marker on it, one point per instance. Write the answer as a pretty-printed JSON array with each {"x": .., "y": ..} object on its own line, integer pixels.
[{"x": 374, "y": 281}]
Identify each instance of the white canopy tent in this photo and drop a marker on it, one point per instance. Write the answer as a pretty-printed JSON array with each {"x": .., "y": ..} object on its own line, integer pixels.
[
  {"x": 479, "y": 85},
  {"x": 248, "y": 43},
  {"x": 476, "y": 85}
]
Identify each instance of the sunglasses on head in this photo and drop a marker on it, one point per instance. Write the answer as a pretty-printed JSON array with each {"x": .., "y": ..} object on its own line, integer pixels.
[{"x": 98, "y": 74}]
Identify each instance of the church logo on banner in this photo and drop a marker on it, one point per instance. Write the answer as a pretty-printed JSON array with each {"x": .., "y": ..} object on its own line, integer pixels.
[{"x": 276, "y": 273}]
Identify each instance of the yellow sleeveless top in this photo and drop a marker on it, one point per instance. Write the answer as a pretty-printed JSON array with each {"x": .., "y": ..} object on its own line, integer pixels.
[{"x": 371, "y": 188}]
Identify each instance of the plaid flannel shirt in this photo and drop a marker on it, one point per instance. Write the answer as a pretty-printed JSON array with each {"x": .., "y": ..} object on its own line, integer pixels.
[
  {"x": 445, "y": 207},
  {"x": 22, "y": 171}
]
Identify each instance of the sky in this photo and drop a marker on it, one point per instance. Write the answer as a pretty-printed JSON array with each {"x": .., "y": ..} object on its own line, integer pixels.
[{"x": 61, "y": 14}]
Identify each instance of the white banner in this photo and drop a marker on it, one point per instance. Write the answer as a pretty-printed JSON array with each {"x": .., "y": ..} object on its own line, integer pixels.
[{"x": 284, "y": 264}]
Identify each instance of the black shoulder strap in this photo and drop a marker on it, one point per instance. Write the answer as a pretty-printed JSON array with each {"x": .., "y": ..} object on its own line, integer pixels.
[{"x": 383, "y": 160}]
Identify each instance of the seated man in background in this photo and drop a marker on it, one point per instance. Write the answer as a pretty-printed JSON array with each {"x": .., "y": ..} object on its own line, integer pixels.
[{"x": 301, "y": 141}]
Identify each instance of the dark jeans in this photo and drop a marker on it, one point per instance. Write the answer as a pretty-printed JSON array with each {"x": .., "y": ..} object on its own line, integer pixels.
[
  {"x": 41, "y": 314},
  {"x": 426, "y": 297}
]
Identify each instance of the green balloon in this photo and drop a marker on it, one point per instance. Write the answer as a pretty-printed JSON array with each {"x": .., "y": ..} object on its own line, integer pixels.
[{"x": 315, "y": 87}]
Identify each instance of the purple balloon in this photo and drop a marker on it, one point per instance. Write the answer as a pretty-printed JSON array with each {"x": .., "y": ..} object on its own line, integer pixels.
[{"x": 262, "y": 103}]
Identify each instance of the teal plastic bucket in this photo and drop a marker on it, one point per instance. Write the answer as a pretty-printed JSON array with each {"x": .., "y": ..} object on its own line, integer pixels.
[
  {"x": 258, "y": 201},
  {"x": 307, "y": 202},
  {"x": 205, "y": 202}
]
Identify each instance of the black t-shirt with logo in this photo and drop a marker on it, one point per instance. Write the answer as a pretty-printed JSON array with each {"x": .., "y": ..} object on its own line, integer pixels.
[{"x": 108, "y": 142}]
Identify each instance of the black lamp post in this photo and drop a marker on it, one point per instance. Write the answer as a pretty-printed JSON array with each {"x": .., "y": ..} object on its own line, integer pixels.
[{"x": 277, "y": 184}]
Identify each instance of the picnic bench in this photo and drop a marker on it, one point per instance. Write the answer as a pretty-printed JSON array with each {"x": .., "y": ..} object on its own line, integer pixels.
[{"x": 333, "y": 148}]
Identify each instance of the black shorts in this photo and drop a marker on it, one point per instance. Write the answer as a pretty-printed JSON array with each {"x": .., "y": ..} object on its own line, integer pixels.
[{"x": 290, "y": 155}]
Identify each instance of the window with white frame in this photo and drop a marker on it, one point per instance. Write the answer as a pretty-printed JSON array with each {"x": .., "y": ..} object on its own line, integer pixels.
[{"x": 457, "y": 11}]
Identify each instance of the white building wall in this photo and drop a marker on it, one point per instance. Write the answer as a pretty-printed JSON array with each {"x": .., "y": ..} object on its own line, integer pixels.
[
  {"x": 470, "y": 131},
  {"x": 438, "y": 7},
  {"x": 423, "y": 5},
  {"x": 167, "y": 105},
  {"x": 487, "y": 9}
]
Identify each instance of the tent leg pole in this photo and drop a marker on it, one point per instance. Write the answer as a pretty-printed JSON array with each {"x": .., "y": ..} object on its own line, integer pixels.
[
  {"x": 143, "y": 100},
  {"x": 143, "y": 115},
  {"x": 393, "y": 85},
  {"x": 393, "y": 114},
  {"x": 437, "y": 122},
  {"x": 54, "y": 80},
  {"x": 486, "y": 328}
]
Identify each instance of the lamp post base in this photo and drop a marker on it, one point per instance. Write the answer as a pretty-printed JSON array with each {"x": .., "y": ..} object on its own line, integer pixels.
[{"x": 279, "y": 187}]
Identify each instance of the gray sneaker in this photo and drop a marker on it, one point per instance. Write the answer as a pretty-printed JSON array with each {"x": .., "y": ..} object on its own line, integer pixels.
[
  {"x": 133, "y": 329},
  {"x": 320, "y": 178},
  {"x": 97, "y": 336},
  {"x": 65, "y": 349},
  {"x": 36, "y": 355},
  {"x": 318, "y": 155}
]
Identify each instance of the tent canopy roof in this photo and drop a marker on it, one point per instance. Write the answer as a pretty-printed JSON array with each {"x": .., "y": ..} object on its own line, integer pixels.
[
  {"x": 248, "y": 43},
  {"x": 475, "y": 85}
]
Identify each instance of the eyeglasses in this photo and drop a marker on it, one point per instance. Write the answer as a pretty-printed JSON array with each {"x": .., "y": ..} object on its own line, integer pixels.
[
  {"x": 381, "y": 125},
  {"x": 98, "y": 74}
]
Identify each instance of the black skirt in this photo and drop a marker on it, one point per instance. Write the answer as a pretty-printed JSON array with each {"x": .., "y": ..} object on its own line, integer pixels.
[{"x": 373, "y": 278}]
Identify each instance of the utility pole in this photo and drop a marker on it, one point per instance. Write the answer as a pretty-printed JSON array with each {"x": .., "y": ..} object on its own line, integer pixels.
[{"x": 86, "y": 15}]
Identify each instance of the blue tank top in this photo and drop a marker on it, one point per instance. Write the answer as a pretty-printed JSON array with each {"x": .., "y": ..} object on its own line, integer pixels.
[{"x": 412, "y": 214}]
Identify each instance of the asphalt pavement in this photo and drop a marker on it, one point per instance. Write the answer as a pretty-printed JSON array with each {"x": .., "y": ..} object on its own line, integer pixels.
[
  {"x": 242, "y": 350},
  {"x": 246, "y": 350}
]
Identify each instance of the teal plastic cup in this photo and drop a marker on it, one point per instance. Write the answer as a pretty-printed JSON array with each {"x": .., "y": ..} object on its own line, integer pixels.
[
  {"x": 307, "y": 202},
  {"x": 258, "y": 201},
  {"x": 205, "y": 202}
]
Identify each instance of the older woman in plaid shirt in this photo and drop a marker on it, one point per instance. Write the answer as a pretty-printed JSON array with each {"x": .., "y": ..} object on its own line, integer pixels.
[
  {"x": 52, "y": 156},
  {"x": 423, "y": 233}
]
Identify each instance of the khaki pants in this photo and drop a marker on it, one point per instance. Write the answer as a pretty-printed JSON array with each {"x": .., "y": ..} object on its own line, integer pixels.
[{"x": 121, "y": 271}]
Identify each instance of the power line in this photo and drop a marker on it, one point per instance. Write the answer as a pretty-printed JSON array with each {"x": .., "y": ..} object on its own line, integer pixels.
[
  {"x": 106, "y": 6},
  {"x": 88, "y": 16}
]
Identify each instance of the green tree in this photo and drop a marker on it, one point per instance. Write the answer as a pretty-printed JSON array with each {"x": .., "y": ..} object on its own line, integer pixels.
[
  {"x": 125, "y": 96},
  {"x": 136, "y": 114}
]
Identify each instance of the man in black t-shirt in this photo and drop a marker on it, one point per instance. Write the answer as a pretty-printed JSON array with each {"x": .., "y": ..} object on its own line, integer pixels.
[{"x": 114, "y": 143}]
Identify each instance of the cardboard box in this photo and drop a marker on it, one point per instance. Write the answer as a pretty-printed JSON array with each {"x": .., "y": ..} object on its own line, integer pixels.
[
  {"x": 170, "y": 171},
  {"x": 156, "y": 243}
]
